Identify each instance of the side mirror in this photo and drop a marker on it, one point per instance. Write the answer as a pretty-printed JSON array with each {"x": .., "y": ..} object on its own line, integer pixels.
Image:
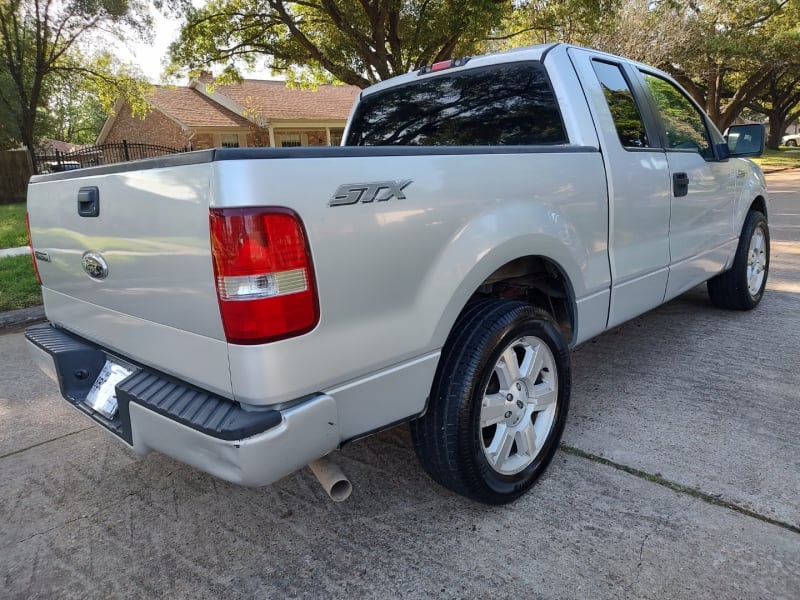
[{"x": 746, "y": 140}]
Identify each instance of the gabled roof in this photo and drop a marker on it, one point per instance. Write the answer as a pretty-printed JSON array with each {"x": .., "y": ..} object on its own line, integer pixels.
[
  {"x": 47, "y": 145},
  {"x": 272, "y": 100},
  {"x": 243, "y": 104},
  {"x": 193, "y": 109}
]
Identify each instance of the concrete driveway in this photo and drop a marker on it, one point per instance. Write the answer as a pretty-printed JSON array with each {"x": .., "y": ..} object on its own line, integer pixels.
[{"x": 679, "y": 477}]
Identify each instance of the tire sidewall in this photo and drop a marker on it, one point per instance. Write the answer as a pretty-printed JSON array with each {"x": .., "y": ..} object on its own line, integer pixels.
[
  {"x": 754, "y": 220},
  {"x": 512, "y": 486}
]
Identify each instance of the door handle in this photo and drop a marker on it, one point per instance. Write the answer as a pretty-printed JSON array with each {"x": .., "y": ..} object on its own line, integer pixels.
[
  {"x": 89, "y": 202},
  {"x": 680, "y": 184}
]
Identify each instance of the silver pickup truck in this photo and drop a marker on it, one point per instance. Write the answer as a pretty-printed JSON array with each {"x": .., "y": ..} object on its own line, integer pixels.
[{"x": 248, "y": 311}]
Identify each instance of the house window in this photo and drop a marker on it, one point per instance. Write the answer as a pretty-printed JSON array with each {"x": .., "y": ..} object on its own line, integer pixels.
[
  {"x": 229, "y": 140},
  {"x": 290, "y": 140},
  {"x": 336, "y": 137}
]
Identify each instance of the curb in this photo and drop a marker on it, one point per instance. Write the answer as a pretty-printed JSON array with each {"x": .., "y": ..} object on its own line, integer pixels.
[
  {"x": 23, "y": 316},
  {"x": 778, "y": 170}
]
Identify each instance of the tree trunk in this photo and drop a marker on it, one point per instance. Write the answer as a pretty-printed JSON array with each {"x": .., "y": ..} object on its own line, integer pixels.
[
  {"x": 776, "y": 128},
  {"x": 26, "y": 132}
]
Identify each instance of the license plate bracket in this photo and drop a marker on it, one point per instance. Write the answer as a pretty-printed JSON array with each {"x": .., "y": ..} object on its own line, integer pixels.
[{"x": 102, "y": 397}]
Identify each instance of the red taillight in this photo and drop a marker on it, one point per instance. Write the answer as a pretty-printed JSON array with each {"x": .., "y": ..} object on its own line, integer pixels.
[
  {"x": 30, "y": 245},
  {"x": 264, "y": 277}
]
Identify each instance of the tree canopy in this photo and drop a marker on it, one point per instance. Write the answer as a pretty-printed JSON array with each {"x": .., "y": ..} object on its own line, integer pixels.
[
  {"x": 358, "y": 42},
  {"x": 729, "y": 55},
  {"x": 724, "y": 53},
  {"x": 42, "y": 46}
]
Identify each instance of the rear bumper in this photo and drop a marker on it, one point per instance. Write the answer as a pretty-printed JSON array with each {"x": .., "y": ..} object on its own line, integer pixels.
[{"x": 211, "y": 433}]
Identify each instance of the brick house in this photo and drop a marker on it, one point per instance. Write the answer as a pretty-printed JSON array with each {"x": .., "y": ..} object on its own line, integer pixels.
[{"x": 248, "y": 114}]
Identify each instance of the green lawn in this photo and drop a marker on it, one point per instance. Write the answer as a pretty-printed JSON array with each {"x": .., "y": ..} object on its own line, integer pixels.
[
  {"x": 18, "y": 285},
  {"x": 12, "y": 225},
  {"x": 779, "y": 159}
]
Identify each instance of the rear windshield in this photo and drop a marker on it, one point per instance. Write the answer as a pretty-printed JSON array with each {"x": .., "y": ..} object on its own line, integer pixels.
[{"x": 500, "y": 105}]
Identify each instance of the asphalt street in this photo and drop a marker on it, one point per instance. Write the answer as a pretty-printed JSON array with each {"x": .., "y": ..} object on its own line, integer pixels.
[{"x": 678, "y": 477}]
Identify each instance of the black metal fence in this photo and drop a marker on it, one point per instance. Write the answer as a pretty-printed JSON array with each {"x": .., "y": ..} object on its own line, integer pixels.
[{"x": 104, "y": 154}]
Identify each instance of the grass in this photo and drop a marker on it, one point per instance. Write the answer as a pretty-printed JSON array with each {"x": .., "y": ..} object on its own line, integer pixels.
[
  {"x": 18, "y": 285},
  {"x": 783, "y": 158},
  {"x": 12, "y": 226}
]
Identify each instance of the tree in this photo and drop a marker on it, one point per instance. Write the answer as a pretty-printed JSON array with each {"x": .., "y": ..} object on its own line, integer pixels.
[
  {"x": 780, "y": 103},
  {"x": 73, "y": 112},
  {"x": 724, "y": 53},
  {"x": 40, "y": 41},
  {"x": 546, "y": 21},
  {"x": 358, "y": 42}
]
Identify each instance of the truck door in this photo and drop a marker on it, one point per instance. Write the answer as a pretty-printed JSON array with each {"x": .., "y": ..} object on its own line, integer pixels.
[
  {"x": 701, "y": 234},
  {"x": 638, "y": 184}
]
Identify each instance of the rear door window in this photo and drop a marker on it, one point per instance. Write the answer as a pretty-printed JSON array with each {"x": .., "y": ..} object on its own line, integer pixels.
[
  {"x": 501, "y": 105},
  {"x": 621, "y": 103}
]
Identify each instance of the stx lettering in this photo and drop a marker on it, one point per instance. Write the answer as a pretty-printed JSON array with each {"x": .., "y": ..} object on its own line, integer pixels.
[{"x": 374, "y": 191}]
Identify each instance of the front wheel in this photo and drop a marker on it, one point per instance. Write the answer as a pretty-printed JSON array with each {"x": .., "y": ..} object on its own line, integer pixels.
[
  {"x": 498, "y": 403},
  {"x": 791, "y": 142},
  {"x": 742, "y": 287}
]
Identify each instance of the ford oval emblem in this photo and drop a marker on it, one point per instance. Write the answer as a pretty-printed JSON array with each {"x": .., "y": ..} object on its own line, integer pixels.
[{"x": 95, "y": 265}]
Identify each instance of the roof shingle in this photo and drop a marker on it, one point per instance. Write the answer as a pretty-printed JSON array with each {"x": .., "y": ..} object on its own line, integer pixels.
[
  {"x": 193, "y": 109},
  {"x": 275, "y": 101}
]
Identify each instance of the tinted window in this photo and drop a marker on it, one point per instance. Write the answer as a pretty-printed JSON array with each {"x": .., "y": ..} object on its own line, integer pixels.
[
  {"x": 501, "y": 105},
  {"x": 624, "y": 111},
  {"x": 684, "y": 125}
]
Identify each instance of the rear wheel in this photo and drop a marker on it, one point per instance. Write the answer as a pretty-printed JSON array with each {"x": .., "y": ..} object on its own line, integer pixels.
[
  {"x": 498, "y": 403},
  {"x": 742, "y": 287}
]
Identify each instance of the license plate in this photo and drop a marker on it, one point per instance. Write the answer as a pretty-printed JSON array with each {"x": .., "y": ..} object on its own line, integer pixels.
[{"x": 103, "y": 395}]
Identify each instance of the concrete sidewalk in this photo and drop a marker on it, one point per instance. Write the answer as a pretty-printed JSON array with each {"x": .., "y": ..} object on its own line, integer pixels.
[{"x": 14, "y": 251}]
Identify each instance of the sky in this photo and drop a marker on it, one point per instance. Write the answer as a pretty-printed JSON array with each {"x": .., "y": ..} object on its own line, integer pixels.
[{"x": 149, "y": 56}]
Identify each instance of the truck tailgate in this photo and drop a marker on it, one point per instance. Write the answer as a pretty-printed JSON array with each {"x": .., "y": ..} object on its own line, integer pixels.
[{"x": 138, "y": 277}]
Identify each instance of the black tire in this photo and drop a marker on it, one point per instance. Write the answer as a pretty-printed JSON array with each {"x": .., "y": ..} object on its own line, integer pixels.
[
  {"x": 449, "y": 439},
  {"x": 791, "y": 142},
  {"x": 732, "y": 289}
]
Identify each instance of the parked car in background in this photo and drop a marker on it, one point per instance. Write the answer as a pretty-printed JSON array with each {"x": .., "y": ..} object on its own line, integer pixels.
[
  {"x": 790, "y": 140},
  {"x": 60, "y": 166}
]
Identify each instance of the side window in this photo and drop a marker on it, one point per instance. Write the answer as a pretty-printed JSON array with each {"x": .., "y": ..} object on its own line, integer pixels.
[
  {"x": 626, "y": 115},
  {"x": 685, "y": 127}
]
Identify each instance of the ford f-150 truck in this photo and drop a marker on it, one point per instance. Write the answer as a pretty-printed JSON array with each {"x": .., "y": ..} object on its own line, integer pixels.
[{"x": 248, "y": 311}]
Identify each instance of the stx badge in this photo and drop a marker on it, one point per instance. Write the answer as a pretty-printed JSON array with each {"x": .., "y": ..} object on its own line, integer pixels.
[{"x": 374, "y": 191}]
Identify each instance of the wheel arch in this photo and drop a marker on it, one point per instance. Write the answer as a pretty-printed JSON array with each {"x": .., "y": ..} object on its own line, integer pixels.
[
  {"x": 760, "y": 204},
  {"x": 538, "y": 279}
]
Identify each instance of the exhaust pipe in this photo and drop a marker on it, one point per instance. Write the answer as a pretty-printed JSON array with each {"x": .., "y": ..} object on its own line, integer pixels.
[{"x": 330, "y": 476}]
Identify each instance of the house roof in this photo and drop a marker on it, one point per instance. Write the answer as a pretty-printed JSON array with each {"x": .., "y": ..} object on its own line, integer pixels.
[
  {"x": 239, "y": 105},
  {"x": 47, "y": 145},
  {"x": 193, "y": 109},
  {"x": 274, "y": 101}
]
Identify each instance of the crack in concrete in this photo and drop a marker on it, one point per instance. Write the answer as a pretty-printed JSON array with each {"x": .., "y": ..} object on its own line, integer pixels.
[
  {"x": 677, "y": 487},
  {"x": 641, "y": 547},
  {"x": 88, "y": 517},
  {"x": 36, "y": 445},
  {"x": 638, "y": 569}
]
